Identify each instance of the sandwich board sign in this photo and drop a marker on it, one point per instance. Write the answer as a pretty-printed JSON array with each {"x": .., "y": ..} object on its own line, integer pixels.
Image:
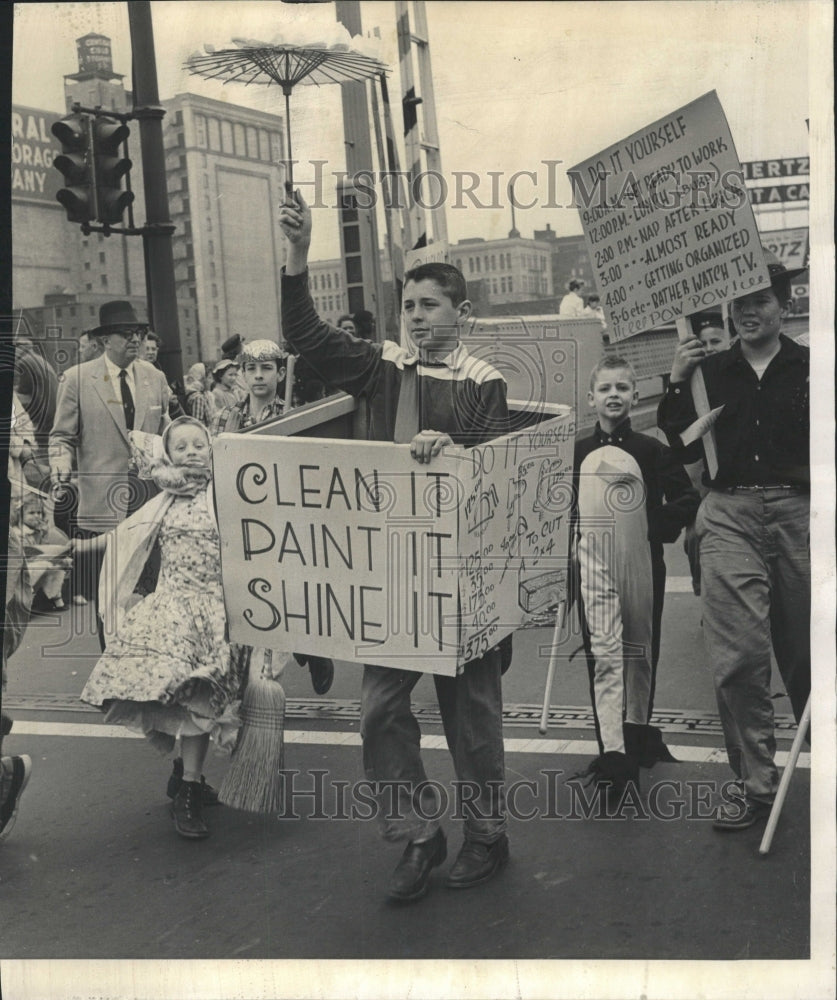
[
  {"x": 667, "y": 220},
  {"x": 353, "y": 550}
]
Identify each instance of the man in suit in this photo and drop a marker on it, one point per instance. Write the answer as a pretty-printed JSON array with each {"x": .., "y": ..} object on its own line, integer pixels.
[{"x": 99, "y": 403}]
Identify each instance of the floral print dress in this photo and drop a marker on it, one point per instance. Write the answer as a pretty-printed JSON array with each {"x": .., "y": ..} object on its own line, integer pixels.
[{"x": 169, "y": 670}]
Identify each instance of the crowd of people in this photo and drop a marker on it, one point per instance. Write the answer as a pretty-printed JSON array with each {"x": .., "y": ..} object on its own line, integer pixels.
[{"x": 139, "y": 457}]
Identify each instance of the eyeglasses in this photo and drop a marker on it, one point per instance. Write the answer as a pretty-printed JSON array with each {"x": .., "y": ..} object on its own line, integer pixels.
[{"x": 130, "y": 332}]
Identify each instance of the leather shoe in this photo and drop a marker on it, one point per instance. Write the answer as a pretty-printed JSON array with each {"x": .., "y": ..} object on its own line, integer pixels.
[
  {"x": 209, "y": 795},
  {"x": 412, "y": 873},
  {"x": 478, "y": 862},
  {"x": 322, "y": 673},
  {"x": 186, "y": 811},
  {"x": 753, "y": 813}
]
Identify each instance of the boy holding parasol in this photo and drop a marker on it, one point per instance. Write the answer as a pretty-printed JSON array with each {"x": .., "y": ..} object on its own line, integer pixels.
[{"x": 430, "y": 393}]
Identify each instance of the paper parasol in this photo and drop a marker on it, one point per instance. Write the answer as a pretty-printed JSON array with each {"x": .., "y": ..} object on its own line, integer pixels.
[{"x": 287, "y": 63}]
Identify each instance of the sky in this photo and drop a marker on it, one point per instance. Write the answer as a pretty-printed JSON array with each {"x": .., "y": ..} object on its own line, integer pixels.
[{"x": 516, "y": 84}]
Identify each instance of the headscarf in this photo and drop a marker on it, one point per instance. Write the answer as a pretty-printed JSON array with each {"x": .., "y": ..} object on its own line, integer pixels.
[
  {"x": 131, "y": 542},
  {"x": 151, "y": 457}
]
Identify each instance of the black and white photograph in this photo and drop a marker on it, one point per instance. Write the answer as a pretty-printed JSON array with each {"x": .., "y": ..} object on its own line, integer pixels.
[{"x": 419, "y": 546}]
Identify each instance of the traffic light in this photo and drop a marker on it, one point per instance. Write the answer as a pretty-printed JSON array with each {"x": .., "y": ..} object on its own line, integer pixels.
[
  {"x": 109, "y": 169},
  {"x": 76, "y": 166}
]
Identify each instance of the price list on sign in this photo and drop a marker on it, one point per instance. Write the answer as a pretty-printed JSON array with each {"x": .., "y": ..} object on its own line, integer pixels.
[{"x": 668, "y": 224}]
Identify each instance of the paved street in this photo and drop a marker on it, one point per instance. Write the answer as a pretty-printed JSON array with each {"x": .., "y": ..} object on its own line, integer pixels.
[{"x": 93, "y": 868}]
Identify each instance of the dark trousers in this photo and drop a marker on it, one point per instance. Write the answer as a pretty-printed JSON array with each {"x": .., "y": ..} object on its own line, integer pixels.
[{"x": 471, "y": 707}]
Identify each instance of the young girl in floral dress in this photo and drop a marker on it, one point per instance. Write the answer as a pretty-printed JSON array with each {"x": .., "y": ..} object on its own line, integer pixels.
[{"x": 168, "y": 670}]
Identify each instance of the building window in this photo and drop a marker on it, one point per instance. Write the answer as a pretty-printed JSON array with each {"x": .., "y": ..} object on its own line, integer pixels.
[
  {"x": 101, "y": 257},
  {"x": 200, "y": 131},
  {"x": 211, "y": 246},
  {"x": 328, "y": 281},
  {"x": 72, "y": 310},
  {"x": 226, "y": 137},
  {"x": 104, "y": 280},
  {"x": 212, "y": 269},
  {"x": 214, "y": 129},
  {"x": 276, "y": 147},
  {"x": 479, "y": 263},
  {"x": 88, "y": 287},
  {"x": 215, "y": 312},
  {"x": 252, "y": 143},
  {"x": 471, "y": 265},
  {"x": 214, "y": 291},
  {"x": 240, "y": 144},
  {"x": 264, "y": 145},
  {"x": 87, "y": 265},
  {"x": 511, "y": 284},
  {"x": 92, "y": 310}
]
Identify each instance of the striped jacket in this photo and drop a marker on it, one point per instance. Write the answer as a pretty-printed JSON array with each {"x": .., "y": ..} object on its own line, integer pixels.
[{"x": 462, "y": 396}]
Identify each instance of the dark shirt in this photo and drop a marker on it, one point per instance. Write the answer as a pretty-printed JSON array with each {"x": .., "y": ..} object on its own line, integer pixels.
[
  {"x": 671, "y": 502},
  {"x": 762, "y": 433}
]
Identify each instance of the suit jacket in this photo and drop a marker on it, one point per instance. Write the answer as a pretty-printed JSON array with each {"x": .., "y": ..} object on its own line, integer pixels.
[{"x": 90, "y": 430}]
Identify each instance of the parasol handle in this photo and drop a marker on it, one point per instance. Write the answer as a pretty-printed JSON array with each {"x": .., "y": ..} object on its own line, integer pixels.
[{"x": 289, "y": 175}]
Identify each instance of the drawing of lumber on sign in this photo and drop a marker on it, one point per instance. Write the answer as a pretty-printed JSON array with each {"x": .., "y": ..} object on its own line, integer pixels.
[{"x": 671, "y": 233}]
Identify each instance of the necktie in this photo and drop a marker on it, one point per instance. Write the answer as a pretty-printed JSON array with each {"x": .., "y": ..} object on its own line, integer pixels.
[{"x": 127, "y": 399}]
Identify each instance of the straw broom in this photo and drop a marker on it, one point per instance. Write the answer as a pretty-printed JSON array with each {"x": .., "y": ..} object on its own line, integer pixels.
[{"x": 253, "y": 781}]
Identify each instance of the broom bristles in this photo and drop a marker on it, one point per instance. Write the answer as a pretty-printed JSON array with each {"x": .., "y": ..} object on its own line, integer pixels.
[{"x": 253, "y": 782}]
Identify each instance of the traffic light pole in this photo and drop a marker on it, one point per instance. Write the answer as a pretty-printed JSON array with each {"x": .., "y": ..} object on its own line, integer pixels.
[{"x": 157, "y": 232}]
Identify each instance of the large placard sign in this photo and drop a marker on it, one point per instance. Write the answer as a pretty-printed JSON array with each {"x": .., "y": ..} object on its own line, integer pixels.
[
  {"x": 354, "y": 550},
  {"x": 667, "y": 220}
]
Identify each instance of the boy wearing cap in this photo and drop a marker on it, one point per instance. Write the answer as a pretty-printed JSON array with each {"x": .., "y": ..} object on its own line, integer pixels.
[
  {"x": 263, "y": 367},
  {"x": 753, "y": 528},
  {"x": 430, "y": 393}
]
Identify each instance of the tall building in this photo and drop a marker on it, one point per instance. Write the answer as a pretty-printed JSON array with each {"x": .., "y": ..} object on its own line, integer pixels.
[
  {"x": 224, "y": 172},
  {"x": 224, "y": 178}
]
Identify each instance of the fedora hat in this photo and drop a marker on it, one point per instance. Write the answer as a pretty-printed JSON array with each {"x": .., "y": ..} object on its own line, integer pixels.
[{"x": 115, "y": 315}]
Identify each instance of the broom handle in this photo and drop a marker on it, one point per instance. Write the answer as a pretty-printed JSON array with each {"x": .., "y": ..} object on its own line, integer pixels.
[{"x": 787, "y": 774}]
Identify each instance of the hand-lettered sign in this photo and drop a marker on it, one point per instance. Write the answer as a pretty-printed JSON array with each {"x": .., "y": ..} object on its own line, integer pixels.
[
  {"x": 356, "y": 551},
  {"x": 667, "y": 220}
]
